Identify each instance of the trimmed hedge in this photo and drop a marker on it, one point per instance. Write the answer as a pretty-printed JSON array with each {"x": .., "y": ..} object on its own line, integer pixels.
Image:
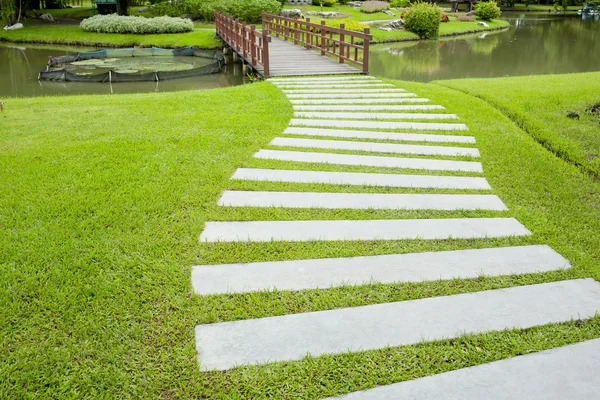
[
  {"x": 423, "y": 19},
  {"x": 120, "y": 24},
  {"x": 487, "y": 11}
]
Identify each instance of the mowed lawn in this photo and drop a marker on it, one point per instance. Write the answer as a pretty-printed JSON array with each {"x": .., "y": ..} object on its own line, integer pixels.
[
  {"x": 102, "y": 202},
  {"x": 540, "y": 105}
]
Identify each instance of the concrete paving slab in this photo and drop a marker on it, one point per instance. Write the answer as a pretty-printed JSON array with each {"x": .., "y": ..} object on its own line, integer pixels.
[
  {"x": 408, "y": 137},
  {"x": 371, "y": 161},
  {"x": 373, "y": 107},
  {"x": 356, "y": 178},
  {"x": 326, "y": 91},
  {"x": 291, "y": 337},
  {"x": 344, "y": 85},
  {"x": 321, "y": 79},
  {"x": 387, "y": 96},
  {"x": 301, "y": 231},
  {"x": 375, "y": 147},
  {"x": 333, "y": 123},
  {"x": 238, "y": 198},
  {"x": 569, "y": 372},
  {"x": 364, "y": 100},
  {"x": 412, "y": 267},
  {"x": 360, "y": 115}
]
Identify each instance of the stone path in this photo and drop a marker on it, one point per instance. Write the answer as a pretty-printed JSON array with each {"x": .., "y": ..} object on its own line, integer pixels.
[{"x": 341, "y": 118}]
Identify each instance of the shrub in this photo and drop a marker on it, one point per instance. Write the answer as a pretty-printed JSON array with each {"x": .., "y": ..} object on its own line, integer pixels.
[
  {"x": 400, "y": 3},
  {"x": 487, "y": 11},
  {"x": 246, "y": 10},
  {"x": 423, "y": 19},
  {"x": 445, "y": 18},
  {"x": 168, "y": 9},
  {"x": 325, "y": 3},
  {"x": 370, "y": 7},
  {"x": 350, "y": 25},
  {"x": 119, "y": 24}
]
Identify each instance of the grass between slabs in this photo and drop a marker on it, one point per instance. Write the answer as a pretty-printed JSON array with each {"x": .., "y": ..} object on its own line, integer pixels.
[
  {"x": 74, "y": 35},
  {"x": 540, "y": 104},
  {"x": 102, "y": 203}
]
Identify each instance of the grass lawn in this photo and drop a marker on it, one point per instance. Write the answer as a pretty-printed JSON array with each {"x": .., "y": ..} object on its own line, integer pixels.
[
  {"x": 74, "y": 35},
  {"x": 347, "y": 13},
  {"x": 104, "y": 197},
  {"x": 451, "y": 28},
  {"x": 539, "y": 104}
]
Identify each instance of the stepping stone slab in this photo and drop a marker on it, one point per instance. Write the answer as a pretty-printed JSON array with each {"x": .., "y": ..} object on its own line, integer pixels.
[
  {"x": 321, "y": 79},
  {"x": 354, "y": 178},
  {"x": 361, "y": 101},
  {"x": 369, "y": 108},
  {"x": 333, "y": 123},
  {"x": 409, "y": 137},
  {"x": 371, "y": 161},
  {"x": 389, "y": 229},
  {"x": 413, "y": 267},
  {"x": 324, "y": 91},
  {"x": 353, "y": 95},
  {"x": 569, "y": 372},
  {"x": 291, "y": 337},
  {"x": 357, "y": 115},
  {"x": 234, "y": 198},
  {"x": 376, "y": 147},
  {"x": 317, "y": 86}
]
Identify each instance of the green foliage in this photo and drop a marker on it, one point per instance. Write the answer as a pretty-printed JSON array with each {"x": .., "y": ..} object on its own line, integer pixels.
[
  {"x": 423, "y": 19},
  {"x": 350, "y": 25},
  {"x": 8, "y": 9},
  {"x": 121, "y": 24},
  {"x": 324, "y": 3},
  {"x": 400, "y": 3},
  {"x": 488, "y": 10},
  {"x": 246, "y": 10},
  {"x": 371, "y": 7}
]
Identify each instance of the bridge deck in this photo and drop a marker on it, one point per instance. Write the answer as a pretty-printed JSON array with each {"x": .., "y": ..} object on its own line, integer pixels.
[{"x": 288, "y": 59}]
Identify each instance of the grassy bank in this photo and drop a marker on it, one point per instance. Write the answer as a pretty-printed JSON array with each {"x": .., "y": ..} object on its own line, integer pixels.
[
  {"x": 451, "y": 28},
  {"x": 102, "y": 202},
  {"x": 73, "y": 35},
  {"x": 540, "y": 104}
]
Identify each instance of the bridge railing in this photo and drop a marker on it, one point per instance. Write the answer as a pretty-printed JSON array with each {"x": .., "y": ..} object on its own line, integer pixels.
[
  {"x": 251, "y": 44},
  {"x": 343, "y": 44}
]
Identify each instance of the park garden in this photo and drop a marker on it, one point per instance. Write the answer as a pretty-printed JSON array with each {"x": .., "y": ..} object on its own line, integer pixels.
[{"x": 106, "y": 187}]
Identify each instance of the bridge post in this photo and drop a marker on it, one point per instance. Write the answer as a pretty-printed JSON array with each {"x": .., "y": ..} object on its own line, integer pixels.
[
  {"x": 252, "y": 46},
  {"x": 308, "y": 35},
  {"x": 323, "y": 38},
  {"x": 265, "y": 56},
  {"x": 342, "y": 27},
  {"x": 243, "y": 41},
  {"x": 366, "y": 52}
]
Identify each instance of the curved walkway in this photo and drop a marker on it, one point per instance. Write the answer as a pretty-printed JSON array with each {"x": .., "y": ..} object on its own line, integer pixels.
[{"x": 337, "y": 121}]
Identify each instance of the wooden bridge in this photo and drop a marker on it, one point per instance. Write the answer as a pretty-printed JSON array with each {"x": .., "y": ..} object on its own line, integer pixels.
[{"x": 292, "y": 47}]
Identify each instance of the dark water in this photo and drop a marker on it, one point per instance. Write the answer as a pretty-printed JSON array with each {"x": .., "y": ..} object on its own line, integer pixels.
[
  {"x": 534, "y": 44},
  {"x": 21, "y": 63}
]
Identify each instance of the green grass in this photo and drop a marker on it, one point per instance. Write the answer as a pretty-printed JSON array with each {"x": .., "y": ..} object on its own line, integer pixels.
[
  {"x": 74, "y": 13},
  {"x": 73, "y": 35},
  {"x": 102, "y": 203},
  {"x": 347, "y": 13},
  {"x": 451, "y": 28},
  {"x": 539, "y": 104}
]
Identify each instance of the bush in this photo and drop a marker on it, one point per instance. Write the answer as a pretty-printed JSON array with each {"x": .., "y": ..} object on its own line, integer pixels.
[
  {"x": 400, "y": 3},
  {"x": 487, "y": 11},
  {"x": 246, "y": 10},
  {"x": 370, "y": 7},
  {"x": 445, "y": 18},
  {"x": 326, "y": 3},
  {"x": 350, "y": 25},
  {"x": 168, "y": 9},
  {"x": 423, "y": 19},
  {"x": 119, "y": 24}
]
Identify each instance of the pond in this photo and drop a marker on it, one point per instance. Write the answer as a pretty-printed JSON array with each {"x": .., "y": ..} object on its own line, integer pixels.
[
  {"x": 21, "y": 63},
  {"x": 534, "y": 44}
]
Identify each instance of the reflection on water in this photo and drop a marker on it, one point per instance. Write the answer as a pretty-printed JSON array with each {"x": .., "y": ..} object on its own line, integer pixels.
[
  {"x": 534, "y": 44},
  {"x": 20, "y": 65}
]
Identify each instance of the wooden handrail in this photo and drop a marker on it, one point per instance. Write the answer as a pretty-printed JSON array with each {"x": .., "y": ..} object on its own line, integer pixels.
[
  {"x": 346, "y": 45},
  {"x": 245, "y": 40}
]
